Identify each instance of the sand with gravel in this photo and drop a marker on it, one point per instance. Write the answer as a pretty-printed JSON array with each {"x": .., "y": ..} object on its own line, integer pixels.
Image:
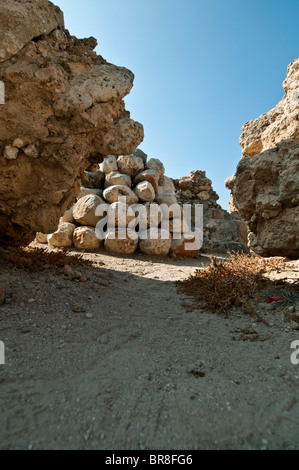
[{"x": 100, "y": 357}]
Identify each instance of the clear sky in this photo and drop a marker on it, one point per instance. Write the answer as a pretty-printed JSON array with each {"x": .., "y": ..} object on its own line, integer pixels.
[{"x": 202, "y": 69}]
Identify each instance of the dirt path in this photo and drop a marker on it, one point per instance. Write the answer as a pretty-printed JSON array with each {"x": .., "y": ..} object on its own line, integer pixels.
[{"x": 117, "y": 375}]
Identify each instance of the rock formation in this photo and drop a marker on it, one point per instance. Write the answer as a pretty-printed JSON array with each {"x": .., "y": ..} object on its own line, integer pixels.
[
  {"x": 222, "y": 231},
  {"x": 150, "y": 188},
  {"x": 265, "y": 188},
  {"x": 63, "y": 110},
  {"x": 139, "y": 181}
]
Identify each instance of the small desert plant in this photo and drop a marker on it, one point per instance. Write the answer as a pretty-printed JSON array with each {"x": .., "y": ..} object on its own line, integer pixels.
[{"x": 232, "y": 282}]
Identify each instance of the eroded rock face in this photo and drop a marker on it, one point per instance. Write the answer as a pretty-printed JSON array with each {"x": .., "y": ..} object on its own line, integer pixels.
[
  {"x": 265, "y": 189},
  {"x": 63, "y": 109},
  {"x": 222, "y": 231}
]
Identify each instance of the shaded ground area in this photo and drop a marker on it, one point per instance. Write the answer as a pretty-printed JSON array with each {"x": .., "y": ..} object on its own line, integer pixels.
[{"x": 100, "y": 357}]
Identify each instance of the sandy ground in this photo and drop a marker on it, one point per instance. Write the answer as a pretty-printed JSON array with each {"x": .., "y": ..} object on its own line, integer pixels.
[{"x": 116, "y": 374}]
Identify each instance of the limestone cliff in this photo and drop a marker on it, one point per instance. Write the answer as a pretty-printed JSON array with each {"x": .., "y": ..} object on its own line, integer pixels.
[
  {"x": 63, "y": 109},
  {"x": 265, "y": 189}
]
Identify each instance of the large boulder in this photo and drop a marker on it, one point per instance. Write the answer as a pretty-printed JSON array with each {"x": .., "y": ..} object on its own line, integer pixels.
[
  {"x": 130, "y": 165},
  {"x": 121, "y": 241},
  {"x": 166, "y": 196},
  {"x": 63, "y": 237},
  {"x": 155, "y": 242},
  {"x": 156, "y": 165},
  {"x": 265, "y": 189},
  {"x": 222, "y": 232},
  {"x": 63, "y": 109},
  {"x": 152, "y": 216},
  {"x": 84, "y": 211},
  {"x": 187, "y": 246},
  {"x": 115, "y": 193},
  {"x": 150, "y": 176},
  {"x": 108, "y": 165}
]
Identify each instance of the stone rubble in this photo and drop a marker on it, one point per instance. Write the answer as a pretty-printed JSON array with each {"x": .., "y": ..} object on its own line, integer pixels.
[
  {"x": 265, "y": 188},
  {"x": 221, "y": 231},
  {"x": 64, "y": 111}
]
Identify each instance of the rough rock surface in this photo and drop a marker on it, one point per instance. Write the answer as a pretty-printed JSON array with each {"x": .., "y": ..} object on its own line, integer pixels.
[
  {"x": 156, "y": 242},
  {"x": 115, "y": 178},
  {"x": 84, "y": 211},
  {"x": 85, "y": 238},
  {"x": 265, "y": 189},
  {"x": 145, "y": 192},
  {"x": 130, "y": 165},
  {"x": 109, "y": 165},
  {"x": 165, "y": 196},
  {"x": 120, "y": 215},
  {"x": 63, "y": 237},
  {"x": 150, "y": 176},
  {"x": 187, "y": 246},
  {"x": 121, "y": 242},
  {"x": 63, "y": 109},
  {"x": 222, "y": 231},
  {"x": 156, "y": 165},
  {"x": 113, "y": 193}
]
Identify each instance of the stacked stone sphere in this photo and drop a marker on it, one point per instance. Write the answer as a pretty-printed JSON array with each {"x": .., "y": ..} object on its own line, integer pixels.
[{"x": 119, "y": 184}]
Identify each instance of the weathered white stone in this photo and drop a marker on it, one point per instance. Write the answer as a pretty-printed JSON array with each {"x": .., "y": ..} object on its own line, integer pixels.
[
  {"x": 109, "y": 164},
  {"x": 177, "y": 225},
  {"x": 130, "y": 165},
  {"x": 187, "y": 246},
  {"x": 167, "y": 183},
  {"x": 156, "y": 243},
  {"x": 265, "y": 188},
  {"x": 11, "y": 153},
  {"x": 85, "y": 239},
  {"x": 114, "y": 193},
  {"x": 153, "y": 214},
  {"x": 166, "y": 196},
  {"x": 67, "y": 217},
  {"x": 157, "y": 166},
  {"x": 63, "y": 237},
  {"x": 18, "y": 143},
  {"x": 140, "y": 154},
  {"x": 148, "y": 175},
  {"x": 86, "y": 192},
  {"x": 93, "y": 180},
  {"x": 121, "y": 241},
  {"x": 145, "y": 192},
  {"x": 2, "y": 292},
  {"x": 115, "y": 178},
  {"x": 85, "y": 209}
]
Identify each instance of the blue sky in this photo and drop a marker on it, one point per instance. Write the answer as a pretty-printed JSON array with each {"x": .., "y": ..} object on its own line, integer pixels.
[{"x": 202, "y": 69}]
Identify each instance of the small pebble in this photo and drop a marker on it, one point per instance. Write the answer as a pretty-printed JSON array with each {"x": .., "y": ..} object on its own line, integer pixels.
[{"x": 79, "y": 309}]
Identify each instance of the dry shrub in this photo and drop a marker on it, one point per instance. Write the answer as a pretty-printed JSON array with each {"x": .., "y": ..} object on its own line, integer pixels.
[
  {"x": 37, "y": 259},
  {"x": 231, "y": 283}
]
